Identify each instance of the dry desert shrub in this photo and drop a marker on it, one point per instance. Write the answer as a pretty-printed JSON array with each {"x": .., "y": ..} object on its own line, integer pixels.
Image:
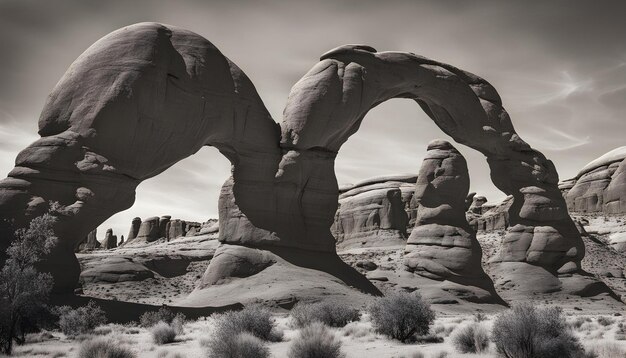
[
  {"x": 164, "y": 314},
  {"x": 315, "y": 341},
  {"x": 357, "y": 329},
  {"x": 167, "y": 354},
  {"x": 163, "y": 333},
  {"x": 415, "y": 355},
  {"x": 241, "y": 345},
  {"x": 79, "y": 321},
  {"x": 442, "y": 354},
  {"x": 329, "y": 313},
  {"x": 479, "y": 317},
  {"x": 102, "y": 348},
  {"x": 527, "y": 332},
  {"x": 620, "y": 334},
  {"x": 472, "y": 338},
  {"x": 238, "y": 332},
  {"x": 606, "y": 350},
  {"x": 401, "y": 316},
  {"x": 605, "y": 321},
  {"x": 442, "y": 330},
  {"x": 579, "y": 321}
]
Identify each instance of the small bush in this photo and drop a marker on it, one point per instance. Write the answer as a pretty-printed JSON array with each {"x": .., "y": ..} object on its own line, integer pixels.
[
  {"x": 254, "y": 319},
  {"x": 166, "y": 354},
  {"x": 442, "y": 330},
  {"x": 315, "y": 341},
  {"x": 164, "y": 314},
  {"x": 605, "y": 321},
  {"x": 607, "y": 350},
  {"x": 328, "y": 313},
  {"x": 442, "y": 354},
  {"x": 241, "y": 345},
  {"x": 401, "y": 316},
  {"x": 579, "y": 321},
  {"x": 178, "y": 324},
  {"x": 427, "y": 339},
  {"x": 241, "y": 334},
  {"x": 525, "y": 331},
  {"x": 472, "y": 338},
  {"x": 479, "y": 317},
  {"x": 163, "y": 333},
  {"x": 82, "y": 320},
  {"x": 101, "y": 348}
]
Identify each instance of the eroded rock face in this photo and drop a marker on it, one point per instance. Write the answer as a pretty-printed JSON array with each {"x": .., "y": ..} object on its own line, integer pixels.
[
  {"x": 600, "y": 186},
  {"x": 374, "y": 212},
  {"x": 442, "y": 246}
]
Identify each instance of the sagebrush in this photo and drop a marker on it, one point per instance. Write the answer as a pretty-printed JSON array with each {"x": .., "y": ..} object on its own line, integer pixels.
[
  {"x": 401, "y": 316},
  {"x": 472, "y": 338},
  {"x": 103, "y": 348},
  {"x": 164, "y": 314},
  {"x": 315, "y": 341},
  {"x": 81, "y": 320},
  {"x": 163, "y": 333},
  {"x": 527, "y": 331},
  {"x": 231, "y": 337},
  {"x": 332, "y": 314}
]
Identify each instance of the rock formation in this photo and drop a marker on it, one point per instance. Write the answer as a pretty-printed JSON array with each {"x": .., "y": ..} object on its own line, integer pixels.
[
  {"x": 134, "y": 229},
  {"x": 94, "y": 150},
  {"x": 121, "y": 241},
  {"x": 149, "y": 229},
  {"x": 374, "y": 212},
  {"x": 148, "y": 95},
  {"x": 90, "y": 243},
  {"x": 483, "y": 216},
  {"x": 163, "y": 225},
  {"x": 176, "y": 228},
  {"x": 600, "y": 186},
  {"x": 442, "y": 246},
  {"x": 110, "y": 240}
]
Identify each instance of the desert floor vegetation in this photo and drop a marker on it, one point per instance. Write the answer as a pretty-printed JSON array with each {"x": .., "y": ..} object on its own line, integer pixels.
[{"x": 259, "y": 332}]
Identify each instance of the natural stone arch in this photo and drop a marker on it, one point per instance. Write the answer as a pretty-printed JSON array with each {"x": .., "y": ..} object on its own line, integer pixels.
[
  {"x": 133, "y": 104},
  {"x": 148, "y": 95},
  {"x": 327, "y": 105}
]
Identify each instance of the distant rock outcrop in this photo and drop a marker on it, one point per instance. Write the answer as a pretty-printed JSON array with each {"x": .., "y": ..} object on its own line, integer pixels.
[
  {"x": 134, "y": 229},
  {"x": 442, "y": 246},
  {"x": 164, "y": 227},
  {"x": 483, "y": 216},
  {"x": 600, "y": 186},
  {"x": 149, "y": 229},
  {"x": 374, "y": 212},
  {"x": 110, "y": 240}
]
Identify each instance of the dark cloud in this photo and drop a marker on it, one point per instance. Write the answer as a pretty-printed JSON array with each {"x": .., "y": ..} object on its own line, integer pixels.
[{"x": 560, "y": 67}]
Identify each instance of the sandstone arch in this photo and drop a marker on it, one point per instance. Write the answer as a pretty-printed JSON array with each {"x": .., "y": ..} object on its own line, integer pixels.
[
  {"x": 133, "y": 104},
  {"x": 148, "y": 95}
]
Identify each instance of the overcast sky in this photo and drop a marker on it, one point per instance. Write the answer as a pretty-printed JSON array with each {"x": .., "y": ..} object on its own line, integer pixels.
[{"x": 559, "y": 66}]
